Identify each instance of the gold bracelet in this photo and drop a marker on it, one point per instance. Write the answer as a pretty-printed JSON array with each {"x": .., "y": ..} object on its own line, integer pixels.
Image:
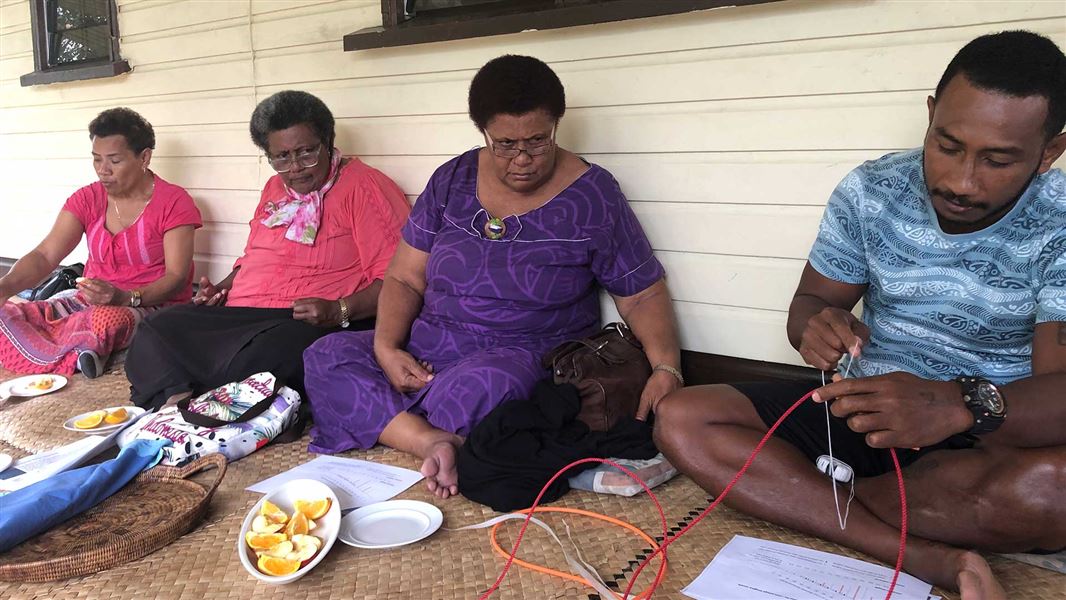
[
  {"x": 672, "y": 371},
  {"x": 344, "y": 313}
]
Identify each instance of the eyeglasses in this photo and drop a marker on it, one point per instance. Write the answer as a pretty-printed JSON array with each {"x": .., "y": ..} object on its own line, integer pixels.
[
  {"x": 511, "y": 149},
  {"x": 306, "y": 160}
]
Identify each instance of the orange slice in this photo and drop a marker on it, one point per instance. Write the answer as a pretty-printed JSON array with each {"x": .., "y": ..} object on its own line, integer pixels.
[
  {"x": 264, "y": 541},
  {"x": 273, "y": 513},
  {"x": 297, "y": 525},
  {"x": 116, "y": 416},
  {"x": 277, "y": 566},
  {"x": 90, "y": 420},
  {"x": 313, "y": 509},
  {"x": 261, "y": 524},
  {"x": 282, "y": 550}
]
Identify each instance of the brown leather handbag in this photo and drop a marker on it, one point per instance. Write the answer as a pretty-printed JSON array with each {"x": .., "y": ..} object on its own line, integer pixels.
[{"x": 609, "y": 370}]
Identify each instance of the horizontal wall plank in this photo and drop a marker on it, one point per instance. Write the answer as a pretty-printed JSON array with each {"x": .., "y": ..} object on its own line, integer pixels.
[
  {"x": 16, "y": 41},
  {"x": 886, "y": 62},
  {"x": 769, "y": 231},
  {"x": 170, "y": 47},
  {"x": 163, "y": 16},
  {"x": 198, "y": 141},
  {"x": 312, "y": 24},
  {"x": 739, "y": 281},
  {"x": 193, "y": 109}
]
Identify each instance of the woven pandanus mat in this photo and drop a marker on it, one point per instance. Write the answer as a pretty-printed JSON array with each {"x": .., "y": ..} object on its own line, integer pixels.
[{"x": 36, "y": 424}]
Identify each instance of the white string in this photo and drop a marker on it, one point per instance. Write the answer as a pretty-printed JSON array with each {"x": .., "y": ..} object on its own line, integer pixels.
[{"x": 841, "y": 520}]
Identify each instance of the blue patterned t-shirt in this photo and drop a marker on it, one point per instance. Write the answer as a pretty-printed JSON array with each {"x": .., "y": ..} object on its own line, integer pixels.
[{"x": 942, "y": 305}]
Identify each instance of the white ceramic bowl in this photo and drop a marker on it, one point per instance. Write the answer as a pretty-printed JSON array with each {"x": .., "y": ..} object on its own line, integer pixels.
[{"x": 285, "y": 498}]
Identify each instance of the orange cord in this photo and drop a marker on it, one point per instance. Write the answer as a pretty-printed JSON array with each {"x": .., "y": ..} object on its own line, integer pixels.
[{"x": 563, "y": 575}]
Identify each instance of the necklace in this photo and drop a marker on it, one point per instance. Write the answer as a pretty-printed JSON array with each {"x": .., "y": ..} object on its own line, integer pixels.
[{"x": 121, "y": 221}]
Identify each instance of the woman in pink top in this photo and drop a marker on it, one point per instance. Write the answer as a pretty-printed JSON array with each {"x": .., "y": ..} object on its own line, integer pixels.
[
  {"x": 139, "y": 233},
  {"x": 321, "y": 238}
]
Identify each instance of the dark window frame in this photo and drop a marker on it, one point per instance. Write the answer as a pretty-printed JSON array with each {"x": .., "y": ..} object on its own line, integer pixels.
[
  {"x": 512, "y": 17},
  {"x": 43, "y": 73}
]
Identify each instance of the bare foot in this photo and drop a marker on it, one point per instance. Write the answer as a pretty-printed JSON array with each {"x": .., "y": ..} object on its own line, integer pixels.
[
  {"x": 976, "y": 581},
  {"x": 442, "y": 477}
]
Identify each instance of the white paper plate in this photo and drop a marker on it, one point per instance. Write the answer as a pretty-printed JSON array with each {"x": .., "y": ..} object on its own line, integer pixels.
[
  {"x": 20, "y": 388},
  {"x": 285, "y": 498},
  {"x": 390, "y": 524},
  {"x": 132, "y": 412}
]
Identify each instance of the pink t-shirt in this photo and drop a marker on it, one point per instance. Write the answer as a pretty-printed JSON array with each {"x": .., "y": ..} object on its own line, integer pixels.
[
  {"x": 361, "y": 218},
  {"x": 133, "y": 258}
]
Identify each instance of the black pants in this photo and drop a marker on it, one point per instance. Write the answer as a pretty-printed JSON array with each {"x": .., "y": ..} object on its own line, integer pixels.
[{"x": 190, "y": 348}]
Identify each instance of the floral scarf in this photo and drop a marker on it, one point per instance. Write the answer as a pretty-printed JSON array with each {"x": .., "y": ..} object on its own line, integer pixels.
[{"x": 302, "y": 213}]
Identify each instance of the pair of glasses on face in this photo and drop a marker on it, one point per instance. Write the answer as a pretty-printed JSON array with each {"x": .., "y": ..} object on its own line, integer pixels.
[
  {"x": 305, "y": 159},
  {"x": 511, "y": 149}
]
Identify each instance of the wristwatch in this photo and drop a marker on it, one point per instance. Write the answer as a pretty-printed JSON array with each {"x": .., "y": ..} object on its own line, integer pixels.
[
  {"x": 135, "y": 298},
  {"x": 344, "y": 313},
  {"x": 985, "y": 401}
]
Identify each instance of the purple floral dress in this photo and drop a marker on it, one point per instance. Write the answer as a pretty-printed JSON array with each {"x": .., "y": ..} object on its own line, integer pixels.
[{"x": 492, "y": 307}]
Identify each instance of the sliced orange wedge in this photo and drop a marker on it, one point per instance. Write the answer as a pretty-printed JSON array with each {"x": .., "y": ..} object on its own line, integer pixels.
[
  {"x": 273, "y": 513},
  {"x": 313, "y": 509},
  {"x": 297, "y": 525},
  {"x": 282, "y": 550},
  {"x": 264, "y": 541},
  {"x": 116, "y": 416},
  {"x": 90, "y": 420},
  {"x": 277, "y": 566}
]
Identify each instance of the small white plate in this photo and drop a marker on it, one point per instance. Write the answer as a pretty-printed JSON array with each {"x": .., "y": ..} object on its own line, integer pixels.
[
  {"x": 20, "y": 388},
  {"x": 132, "y": 412},
  {"x": 5, "y": 462},
  {"x": 390, "y": 524},
  {"x": 285, "y": 498}
]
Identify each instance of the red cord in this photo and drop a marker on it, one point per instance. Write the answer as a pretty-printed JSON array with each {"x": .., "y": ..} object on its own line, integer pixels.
[{"x": 669, "y": 539}]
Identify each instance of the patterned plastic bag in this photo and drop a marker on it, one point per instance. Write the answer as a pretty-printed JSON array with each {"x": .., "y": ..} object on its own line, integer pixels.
[{"x": 235, "y": 419}]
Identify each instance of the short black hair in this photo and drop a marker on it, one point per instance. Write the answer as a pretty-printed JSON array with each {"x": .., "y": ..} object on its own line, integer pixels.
[
  {"x": 1015, "y": 63},
  {"x": 515, "y": 85},
  {"x": 126, "y": 122},
  {"x": 287, "y": 109}
]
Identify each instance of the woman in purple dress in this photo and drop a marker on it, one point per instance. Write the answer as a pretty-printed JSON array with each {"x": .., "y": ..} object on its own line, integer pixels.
[{"x": 501, "y": 260}]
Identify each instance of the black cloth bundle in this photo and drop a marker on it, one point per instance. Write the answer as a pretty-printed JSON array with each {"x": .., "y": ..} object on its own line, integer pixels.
[{"x": 520, "y": 445}]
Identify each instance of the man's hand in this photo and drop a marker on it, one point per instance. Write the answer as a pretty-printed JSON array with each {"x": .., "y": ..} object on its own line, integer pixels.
[
  {"x": 405, "y": 372},
  {"x": 318, "y": 312},
  {"x": 209, "y": 294},
  {"x": 829, "y": 335},
  {"x": 101, "y": 293},
  {"x": 898, "y": 410},
  {"x": 658, "y": 386}
]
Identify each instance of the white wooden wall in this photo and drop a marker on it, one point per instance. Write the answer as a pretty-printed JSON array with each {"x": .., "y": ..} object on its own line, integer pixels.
[{"x": 727, "y": 129}]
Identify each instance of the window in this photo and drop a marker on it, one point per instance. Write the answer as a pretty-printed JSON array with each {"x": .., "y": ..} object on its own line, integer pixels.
[
  {"x": 72, "y": 40},
  {"x": 419, "y": 21}
]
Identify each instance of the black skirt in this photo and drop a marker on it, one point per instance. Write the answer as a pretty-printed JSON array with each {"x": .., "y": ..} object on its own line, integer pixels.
[{"x": 191, "y": 348}]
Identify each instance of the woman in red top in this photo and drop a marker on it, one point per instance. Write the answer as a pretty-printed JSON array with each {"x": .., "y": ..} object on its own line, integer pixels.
[
  {"x": 139, "y": 233},
  {"x": 320, "y": 241}
]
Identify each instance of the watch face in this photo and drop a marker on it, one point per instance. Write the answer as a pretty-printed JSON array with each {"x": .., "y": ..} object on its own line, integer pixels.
[{"x": 990, "y": 398}]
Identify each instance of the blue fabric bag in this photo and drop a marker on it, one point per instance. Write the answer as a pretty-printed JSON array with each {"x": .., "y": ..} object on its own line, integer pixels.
[{"x": 39, "y": 507}]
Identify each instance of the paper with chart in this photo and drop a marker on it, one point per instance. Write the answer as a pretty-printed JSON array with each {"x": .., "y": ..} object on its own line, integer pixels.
[
  {"x": 754, "y": 569},
  {"x": 356, "y": 482}
]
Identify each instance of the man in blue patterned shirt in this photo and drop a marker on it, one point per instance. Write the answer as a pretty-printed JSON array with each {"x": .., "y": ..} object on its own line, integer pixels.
[{"x": 958, "y": 252}]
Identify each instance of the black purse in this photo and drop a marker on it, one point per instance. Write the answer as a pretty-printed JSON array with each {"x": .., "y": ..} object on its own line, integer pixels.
[{"x": 63, "y": 278}]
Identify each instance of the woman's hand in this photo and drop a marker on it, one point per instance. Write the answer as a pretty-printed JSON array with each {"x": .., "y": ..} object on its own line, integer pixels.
[
  {"x": 209, "y": 294},
  {"x": 318, "y": 312},
  {"x": 659, "y": 385},
  {"x": 405, "y": 372},
  {"x": 101, "y": 293}
]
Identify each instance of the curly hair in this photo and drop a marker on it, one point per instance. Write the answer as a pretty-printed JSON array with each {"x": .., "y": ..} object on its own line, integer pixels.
[
  {"x": 514, "y": 85},
  {"x": 126, "y": 122},
  {"x": 1015, "y": 63},
  {"x": 289, "y": 108}
]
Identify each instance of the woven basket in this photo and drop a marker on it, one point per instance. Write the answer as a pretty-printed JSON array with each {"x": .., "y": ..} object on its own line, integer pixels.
[{"x": 156, "y": 508}]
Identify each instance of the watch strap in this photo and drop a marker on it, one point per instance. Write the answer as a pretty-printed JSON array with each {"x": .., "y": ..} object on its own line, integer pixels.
[
  {"x": 344, "y": 313},
  {"x": 984, "y": 420}
]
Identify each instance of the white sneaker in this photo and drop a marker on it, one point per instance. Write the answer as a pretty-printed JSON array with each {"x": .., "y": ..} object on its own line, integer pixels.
[{"x": 90, "y": 364}]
